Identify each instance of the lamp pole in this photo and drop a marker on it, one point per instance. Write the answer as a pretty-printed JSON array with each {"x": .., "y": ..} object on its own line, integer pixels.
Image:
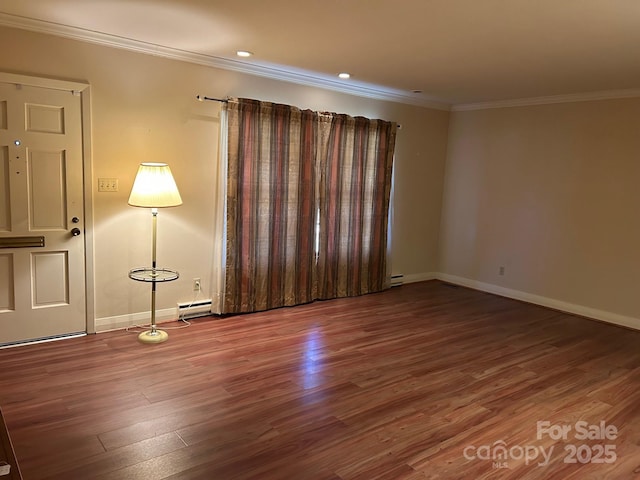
[{"x": 154, "y": 235}]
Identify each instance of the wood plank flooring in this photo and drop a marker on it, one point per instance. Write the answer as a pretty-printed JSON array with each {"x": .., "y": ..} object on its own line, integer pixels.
[{"x": 424, "y": 381}]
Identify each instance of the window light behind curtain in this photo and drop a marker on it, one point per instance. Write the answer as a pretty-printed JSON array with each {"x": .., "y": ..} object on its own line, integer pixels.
[{"x": 295, "y": 177}]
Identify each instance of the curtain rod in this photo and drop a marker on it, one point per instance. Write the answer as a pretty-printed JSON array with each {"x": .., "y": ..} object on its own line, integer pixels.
[{"x": 201, "y": 98}]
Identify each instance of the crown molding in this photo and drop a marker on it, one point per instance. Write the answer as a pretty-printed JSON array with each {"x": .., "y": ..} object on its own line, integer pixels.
[
  {"x": 568, "y": 98},
  {"x": 271, "y": 71}
]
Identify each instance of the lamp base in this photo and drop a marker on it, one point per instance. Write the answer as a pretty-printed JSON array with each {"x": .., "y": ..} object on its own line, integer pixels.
[{"x": 151, "y": 336}]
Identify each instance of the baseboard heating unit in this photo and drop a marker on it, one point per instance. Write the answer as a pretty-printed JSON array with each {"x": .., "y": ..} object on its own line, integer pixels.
[{"x": 199, "y": 308}]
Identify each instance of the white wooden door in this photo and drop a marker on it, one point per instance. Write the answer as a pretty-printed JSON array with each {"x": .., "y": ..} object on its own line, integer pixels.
[{"x": 42, "y": 287}]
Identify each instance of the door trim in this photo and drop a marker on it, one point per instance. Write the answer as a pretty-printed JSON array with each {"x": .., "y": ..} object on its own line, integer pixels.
[{"x": 83, "y": 90}]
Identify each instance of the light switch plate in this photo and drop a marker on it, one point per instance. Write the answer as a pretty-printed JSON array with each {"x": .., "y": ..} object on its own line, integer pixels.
[{"x": 107, "y": 184}]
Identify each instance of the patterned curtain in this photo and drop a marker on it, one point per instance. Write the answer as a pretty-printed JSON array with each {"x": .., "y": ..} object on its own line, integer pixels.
[
  {"x": 287, "y": 169},
  {"x": 271, "y": 206},
  {"x": 355, "y": 186}
]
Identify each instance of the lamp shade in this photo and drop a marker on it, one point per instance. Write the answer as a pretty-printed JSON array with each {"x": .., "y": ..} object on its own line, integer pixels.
[{"x": 154, "y": 187}]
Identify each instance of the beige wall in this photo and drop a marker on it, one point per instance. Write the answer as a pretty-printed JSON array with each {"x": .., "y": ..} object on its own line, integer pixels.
[
  {"x": 552, "y": 194},
  {"x": 549, "y": 192},
  {"x": 144, "y": 109}
]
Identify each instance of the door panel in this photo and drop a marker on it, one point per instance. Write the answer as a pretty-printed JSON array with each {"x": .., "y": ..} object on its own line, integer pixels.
[
  {"x": 7, "y": 300},
  {"x": 41, "y": 172},
  {"x": 3, "y": 114},
  {"x": 46, "y": 189},
  {"x": 50, "y": 276},
  {"x": 44, "y": 118},
  {"x": 4, "y": 193}
]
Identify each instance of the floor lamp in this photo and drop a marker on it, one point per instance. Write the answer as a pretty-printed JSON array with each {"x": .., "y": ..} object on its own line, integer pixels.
[{"x": 154, "y": 187}]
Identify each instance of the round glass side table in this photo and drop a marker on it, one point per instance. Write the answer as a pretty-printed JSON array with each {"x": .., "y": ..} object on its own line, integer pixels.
[{"x": 153, "y": 275}]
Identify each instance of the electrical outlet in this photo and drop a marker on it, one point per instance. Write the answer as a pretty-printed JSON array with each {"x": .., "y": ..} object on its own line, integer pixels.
[
  {"x": 196, "y": 284},
  {"x": 107, "y": 184},
  {"x": 501, "y": 271}
]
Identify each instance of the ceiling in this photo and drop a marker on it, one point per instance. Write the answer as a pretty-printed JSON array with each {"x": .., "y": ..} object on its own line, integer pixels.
[{"x": 455, "y": 52}]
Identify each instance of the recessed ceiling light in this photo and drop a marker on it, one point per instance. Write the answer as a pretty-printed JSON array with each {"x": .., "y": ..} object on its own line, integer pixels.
[
  {"x": 344, "y": 75},
  {"x": 243, "y": 53}
]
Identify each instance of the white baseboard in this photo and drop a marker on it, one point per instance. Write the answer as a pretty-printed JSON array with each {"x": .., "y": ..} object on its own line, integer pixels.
[
  {"x": 117, "y": 322},
  {"x": 601, "y": 315}
]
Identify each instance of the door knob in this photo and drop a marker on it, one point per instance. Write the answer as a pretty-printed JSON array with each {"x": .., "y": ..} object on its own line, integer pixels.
[
  {"x": 75, "y": 220},
  {"x": 75, "y": 232}
]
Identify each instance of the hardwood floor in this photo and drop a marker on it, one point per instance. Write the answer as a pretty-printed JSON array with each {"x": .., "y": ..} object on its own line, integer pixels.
[{"x": 424, "y": 381}]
